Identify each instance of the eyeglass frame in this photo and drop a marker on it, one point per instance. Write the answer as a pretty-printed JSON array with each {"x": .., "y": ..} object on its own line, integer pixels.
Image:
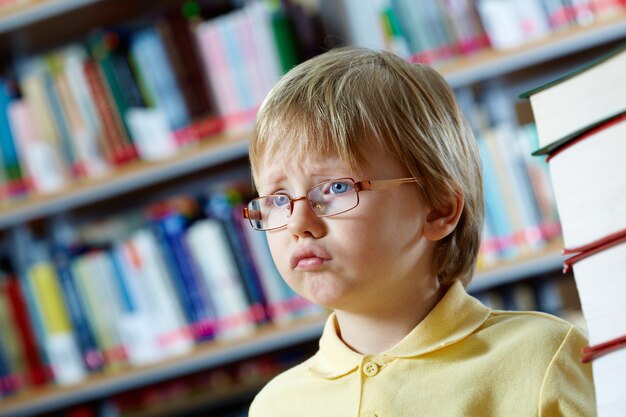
[{"x": 365, "y": 185}]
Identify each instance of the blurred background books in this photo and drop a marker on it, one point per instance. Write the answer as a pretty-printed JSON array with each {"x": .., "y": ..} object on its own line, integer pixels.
[{"x": 123, "y": 162}]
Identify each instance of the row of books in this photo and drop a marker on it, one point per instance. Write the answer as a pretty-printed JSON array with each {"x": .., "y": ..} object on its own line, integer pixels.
[
  {"x": 225, "y": 391},
  {"x": 432, "y": 31},
  {"x": 135, "y": 290},
  {"x": 551, "y": 293},
  {"x": 188, "y": 392},
  {"x": 141, "y": 91},
  {"x": 520, "y": 210}
]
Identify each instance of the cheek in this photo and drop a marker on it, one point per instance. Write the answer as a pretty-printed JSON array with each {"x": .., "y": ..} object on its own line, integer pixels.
[
  {"x": 278, "y": 249},
  {"x": 382, "y": 242}
]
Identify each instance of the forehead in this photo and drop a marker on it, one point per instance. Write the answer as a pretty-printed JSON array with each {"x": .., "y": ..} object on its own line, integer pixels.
[
  {"x": 283, "y": 167},
  {"x": 282, "y": 164}
]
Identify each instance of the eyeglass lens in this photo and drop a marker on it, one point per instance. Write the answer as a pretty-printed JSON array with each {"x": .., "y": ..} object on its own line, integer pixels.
[{"x": 325, "y": 199}]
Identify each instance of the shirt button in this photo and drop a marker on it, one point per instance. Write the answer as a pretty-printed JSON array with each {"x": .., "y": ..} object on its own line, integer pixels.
[{"x": 370, "y": 369}]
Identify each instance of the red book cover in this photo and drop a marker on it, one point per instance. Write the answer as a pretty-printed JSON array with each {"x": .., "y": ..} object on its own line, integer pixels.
[{"x": 39, "y": 373}]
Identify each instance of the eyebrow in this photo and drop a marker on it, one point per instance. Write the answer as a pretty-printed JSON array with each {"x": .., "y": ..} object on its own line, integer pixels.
[{"x": 318, "y": 171}]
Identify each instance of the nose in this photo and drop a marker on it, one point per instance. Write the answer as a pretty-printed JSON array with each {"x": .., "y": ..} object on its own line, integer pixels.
[{"x": 303, "y": 222}]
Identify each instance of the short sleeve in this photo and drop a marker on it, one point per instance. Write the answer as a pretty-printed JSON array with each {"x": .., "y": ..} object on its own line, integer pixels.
[{"x": 567, "y": 388}]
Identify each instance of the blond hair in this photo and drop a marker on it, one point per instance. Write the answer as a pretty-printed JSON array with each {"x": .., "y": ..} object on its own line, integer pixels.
[{"x": 350, "y": 101}]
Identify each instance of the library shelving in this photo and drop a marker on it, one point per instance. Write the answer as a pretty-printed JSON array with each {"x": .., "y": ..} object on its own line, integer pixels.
[
  {"x": 547, "y": 260},
  {"x": 217, "y": 353},
  {"x": 134, "y": 176},
  {"x": 225, "y": 148},
  {"x": 21, "y": 13},
  {"x": 493, "y": 63},
  {"x": 204, "y": 356}
]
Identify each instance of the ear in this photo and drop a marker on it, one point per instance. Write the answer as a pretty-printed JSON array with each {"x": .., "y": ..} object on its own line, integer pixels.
[{"x": 441, "y": 221}]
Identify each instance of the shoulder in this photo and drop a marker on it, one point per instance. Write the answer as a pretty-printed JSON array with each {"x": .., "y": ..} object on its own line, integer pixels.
[
  {"x": 536, "y": 338},
  {"x": 550, "y": 349},
  {"x": 275, "y": 394},
  {"x": 530, "y": 324}
]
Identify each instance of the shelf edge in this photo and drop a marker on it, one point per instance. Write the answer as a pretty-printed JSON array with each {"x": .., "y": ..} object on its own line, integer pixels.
[
  {"x": 39, "y": 11},
  {"x": 507, "y": 62},
  {"x": 264, "y": 343},
  {"x": 149, "y": 175}
]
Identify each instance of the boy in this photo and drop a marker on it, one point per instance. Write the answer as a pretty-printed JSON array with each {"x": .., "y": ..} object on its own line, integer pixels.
[{"x": 372, "y": 203}]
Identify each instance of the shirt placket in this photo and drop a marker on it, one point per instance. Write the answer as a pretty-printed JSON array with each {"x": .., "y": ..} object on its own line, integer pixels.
[{"x": 370, "y": 374}]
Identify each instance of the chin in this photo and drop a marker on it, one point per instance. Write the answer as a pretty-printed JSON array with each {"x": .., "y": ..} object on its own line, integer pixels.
[{"x": 323, "y": 289}]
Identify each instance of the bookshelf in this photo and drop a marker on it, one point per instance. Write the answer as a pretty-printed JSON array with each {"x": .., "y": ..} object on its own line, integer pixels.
[
  {"x": 220, "y": 149},
  {"x": 549, "y": 259},
  {"x": 209, "y": 152},
  {"x": 204, "y": 356},
  {"x": 33, "y": 11},
  {"x": 492, "y": 63},
  {"x": 219, "y": 353}
]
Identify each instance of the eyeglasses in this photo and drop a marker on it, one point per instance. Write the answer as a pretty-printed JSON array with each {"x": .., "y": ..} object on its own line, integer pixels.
[{"x": 329, "y": 198}]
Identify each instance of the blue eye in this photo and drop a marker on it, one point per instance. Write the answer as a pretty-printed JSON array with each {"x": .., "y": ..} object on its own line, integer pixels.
[
  {"x": 339, "y": 187},
  {"x": 279, "y": 200}
]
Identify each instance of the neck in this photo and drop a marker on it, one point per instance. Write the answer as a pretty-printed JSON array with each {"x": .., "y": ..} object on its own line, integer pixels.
[{"x": 377, "y": 331}]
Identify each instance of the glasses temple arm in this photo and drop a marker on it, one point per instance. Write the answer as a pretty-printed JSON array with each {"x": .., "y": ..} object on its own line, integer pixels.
[{"x": 383, "y": 184}]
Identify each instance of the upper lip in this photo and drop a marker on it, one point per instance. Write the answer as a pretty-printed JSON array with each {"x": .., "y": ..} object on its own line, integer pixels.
[{"x": 308, "y": 252}]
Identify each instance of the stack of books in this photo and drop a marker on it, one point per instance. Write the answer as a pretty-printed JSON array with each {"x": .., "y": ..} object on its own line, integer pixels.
[{"x": 581, "y": 123}]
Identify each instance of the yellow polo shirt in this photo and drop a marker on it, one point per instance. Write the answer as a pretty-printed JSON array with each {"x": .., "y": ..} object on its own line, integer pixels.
[{"x": 463, "y": 359}]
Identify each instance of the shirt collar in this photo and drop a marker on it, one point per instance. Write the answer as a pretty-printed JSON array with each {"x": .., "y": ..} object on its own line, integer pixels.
[{"x": 455, "y": 317}]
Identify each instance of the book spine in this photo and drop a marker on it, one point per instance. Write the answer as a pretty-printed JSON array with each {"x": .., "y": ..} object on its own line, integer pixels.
[
  {"x": 136, "y": 331},
  {"x": 15, "y": 183},
  {"x": 152, "y": 61},
  {"x": 500, "y": 20},
  {"x": 60, "y": 122},
  {"x": 539, "y": 175},
  {"x": 170, "y": 231},
  {"x": 282, "y": 302},
  {"x": 209, "y": 248},
  {"x": 117, "y": 146},
  {"x": 284, "y": 38},
  {"x": 22, "y": 244},
  {"x": 92, "y": 356},
  {"x": 218, "y": 73},
  {"x": 13, "y": 377},
  {"x": 59, "y": 341},
  {"x": 33, "y": 87},
  {"x": 518, "y": 181},
  {"x": 69, "y": 111},
  {"x": 45, "y": 170},
  {"x": 258, "y": 24},
  {"x": 142, "y": 254},
  {"x": 465, "y": 25},
  {"x": 37, "y": 371},
  {"x": 8, "y": 381},
  {"x": 252, "y": 60},
  {"x": 176, "y": 34},
  {"x": 494, "y": 203},
  {"x": 91, "y": 289},
  {"x": 227, "y": 32},
  {"x": 219, "y": 207}
]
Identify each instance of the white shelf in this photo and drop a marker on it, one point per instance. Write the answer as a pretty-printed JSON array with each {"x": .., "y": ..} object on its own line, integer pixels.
[
  {"x": 547, "y": 263},
  {"x": 41, "y": 10},
  {"x": 483, "y": 66},
  {"x": 212, "y": 355},
  {"x": 126, "y": 179}
]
